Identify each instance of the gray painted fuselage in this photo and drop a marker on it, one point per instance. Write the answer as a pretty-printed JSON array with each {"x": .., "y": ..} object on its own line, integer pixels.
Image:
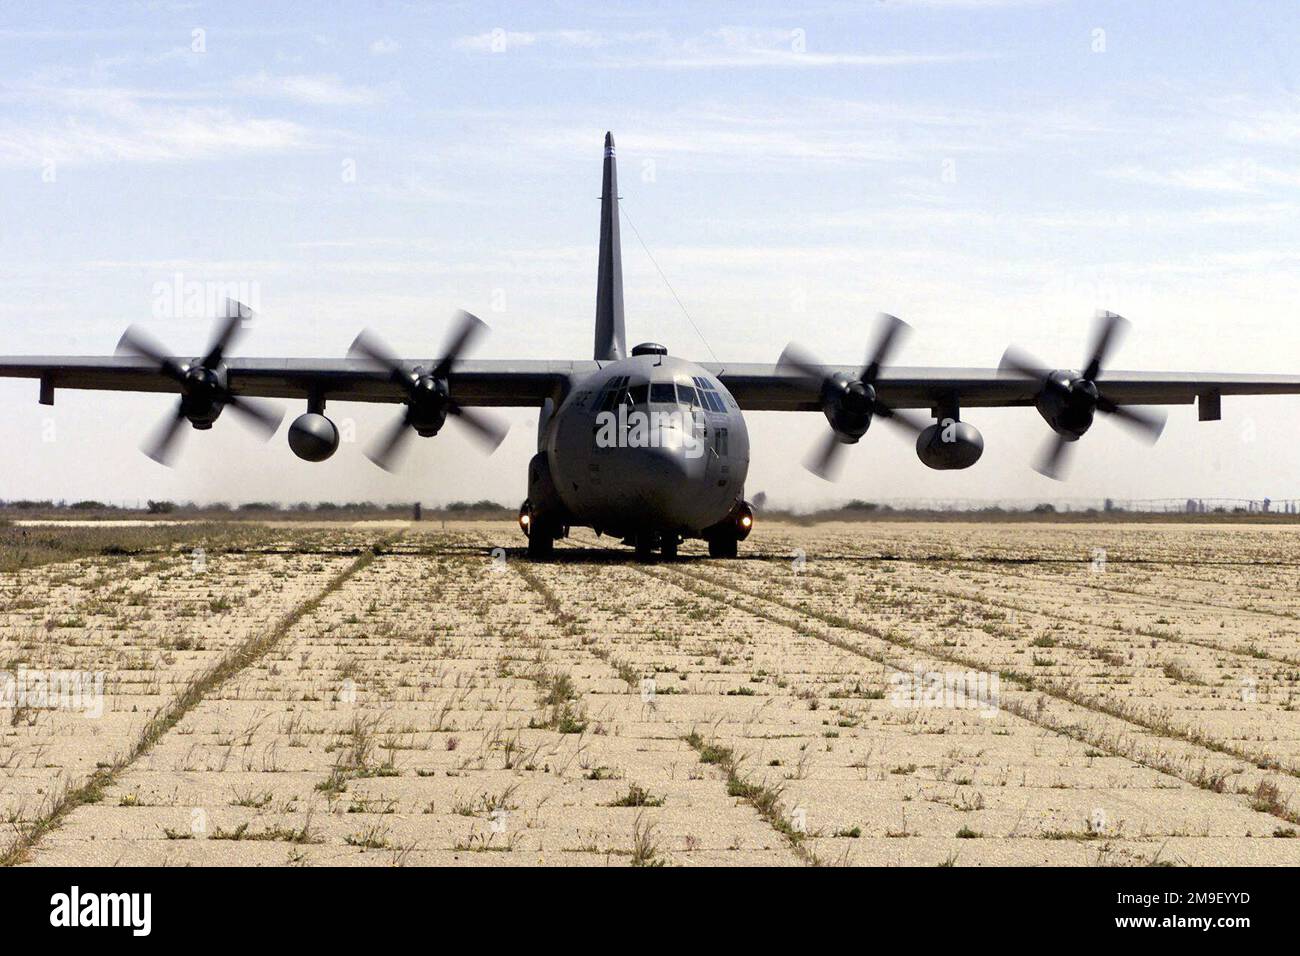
[{"x": 669, "y": 482}]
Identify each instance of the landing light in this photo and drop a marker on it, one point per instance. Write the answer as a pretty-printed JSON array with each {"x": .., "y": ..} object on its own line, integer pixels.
[{"x": 746, "y": 521}]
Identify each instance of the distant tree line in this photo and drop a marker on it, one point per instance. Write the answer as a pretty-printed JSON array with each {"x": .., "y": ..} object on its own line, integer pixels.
[{"x": 302, "y": 507}]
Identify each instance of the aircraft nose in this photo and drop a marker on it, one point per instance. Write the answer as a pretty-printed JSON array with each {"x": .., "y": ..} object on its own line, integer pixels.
[
  {"x": 666, "y": 463},
  {"x": 664, "y": 482}
]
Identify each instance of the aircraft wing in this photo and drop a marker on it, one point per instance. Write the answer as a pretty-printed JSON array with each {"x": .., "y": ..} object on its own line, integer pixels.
[
  {"x": 506, "y": 383},
  {"x": 497, "y": 383},
  {"x": 771, "y": 388}
]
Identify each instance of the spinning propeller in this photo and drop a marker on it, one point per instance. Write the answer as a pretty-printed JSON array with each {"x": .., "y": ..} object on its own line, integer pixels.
[
  {"x": 204, "y": 386},
  {"x": 849, "y": 403},
  {"x": 1068, "y": 399},
  {"x": 428, "y": 401}
]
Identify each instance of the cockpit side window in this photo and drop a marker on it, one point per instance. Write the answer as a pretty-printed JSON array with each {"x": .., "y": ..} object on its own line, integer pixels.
[
  {"x": 615, "y": 392},
  {"x": 686, "y": 396},
  {"x": 709, "y": 397}
]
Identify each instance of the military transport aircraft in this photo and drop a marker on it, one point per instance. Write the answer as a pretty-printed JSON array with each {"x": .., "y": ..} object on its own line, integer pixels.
[{"x": 641, "y": 445}]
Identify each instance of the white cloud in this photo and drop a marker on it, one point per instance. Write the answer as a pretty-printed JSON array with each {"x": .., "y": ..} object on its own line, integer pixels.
[
  {"x": 384, "y": 46},
  {"x": 500, "y": 39},
  {"x": 916, "y": 137},
  {"x": 1270, "y": 127},
  {"x": 495, "y": 41},
  {"x": 321, "y": 89},
  {"x": 969, "y": 4},
  {"x": 1228, "y": 176},
  {"x": 743, "y": 47},
  {"x": 116, "y": 125},
  {"x": 724, "y": 47}
]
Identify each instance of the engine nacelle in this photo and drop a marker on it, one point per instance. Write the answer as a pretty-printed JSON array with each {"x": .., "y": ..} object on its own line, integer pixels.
[
  {"x": 847, "y": 405},
  {"x": 313, "y": 437},
  {"x": 1067, "y": 403},
  {"x": 949, "y": 444},
  {"x": 199, "y": 396}
]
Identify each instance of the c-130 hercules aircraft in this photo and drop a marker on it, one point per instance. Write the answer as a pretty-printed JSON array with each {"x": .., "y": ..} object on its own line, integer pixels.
[{"x": 644, "y": 446}]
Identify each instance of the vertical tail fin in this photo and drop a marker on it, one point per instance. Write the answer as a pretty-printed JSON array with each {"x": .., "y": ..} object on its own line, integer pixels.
[{"x": 610, "y": 339}]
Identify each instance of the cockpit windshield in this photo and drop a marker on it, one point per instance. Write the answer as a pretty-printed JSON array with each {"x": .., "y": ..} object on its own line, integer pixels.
[{"x": 663, "y": 393}]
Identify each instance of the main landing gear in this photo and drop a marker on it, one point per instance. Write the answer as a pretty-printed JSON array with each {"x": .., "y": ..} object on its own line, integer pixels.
[
  {"x": 540, "y": 546},
  {"x": 541, "y": 533},
  {"x": 725, "y": 536}
]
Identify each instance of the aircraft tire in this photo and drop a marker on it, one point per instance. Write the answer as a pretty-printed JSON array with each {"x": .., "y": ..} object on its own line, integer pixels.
[
  {"x": 720, "y": 547},
  {"x": 541, "y": 544}
]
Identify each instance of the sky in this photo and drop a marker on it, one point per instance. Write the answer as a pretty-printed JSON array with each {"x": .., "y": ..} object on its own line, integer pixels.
[{"x": 992, "y": 171}]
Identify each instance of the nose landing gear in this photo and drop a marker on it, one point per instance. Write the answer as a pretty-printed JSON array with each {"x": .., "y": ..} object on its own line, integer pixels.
[
  {"x": 723, "y": 546},
  {"x": 646, "y": 542}
]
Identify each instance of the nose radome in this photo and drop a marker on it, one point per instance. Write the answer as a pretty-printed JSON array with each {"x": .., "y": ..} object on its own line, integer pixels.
[
  {"x": 670, "y": 460},
  {"x": 661, "y": 480}
]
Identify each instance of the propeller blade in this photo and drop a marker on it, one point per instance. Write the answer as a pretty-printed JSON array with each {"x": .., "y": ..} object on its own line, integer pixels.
[
  {"x": 384, "y": 452},
  {"x": 370, "y": 346},
  {"x": 471, "y": 326},
  {"x": 1052, "y": 463},
  {"x": 225, "y": 331},
  {"x": 138, "y": 342},
  {"x": 264, "y": 417},
  {"x": 795, "y": 359},
  {"x": 905, "y": 420},
  {"x": 825, "y": 458},
  {"x": 161, "y": 446},
  {"x": 486, "y": 429},
  {"x": 1109, "y": 325},
  {"x": 891, "y": 328},
  {"x": 1148, "y": 425},
  {"x": 1021, "y": 363}
]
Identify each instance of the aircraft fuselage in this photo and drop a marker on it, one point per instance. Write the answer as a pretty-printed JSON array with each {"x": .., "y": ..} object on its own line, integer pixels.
[{"x": 650, "y": 444}]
